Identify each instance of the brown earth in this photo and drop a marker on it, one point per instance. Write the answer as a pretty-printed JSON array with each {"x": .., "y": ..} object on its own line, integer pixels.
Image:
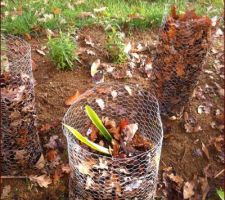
[{"x": 53, "y": 87}]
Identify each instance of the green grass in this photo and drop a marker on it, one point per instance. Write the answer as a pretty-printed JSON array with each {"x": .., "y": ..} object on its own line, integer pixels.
[
  {"x": 62, "y": 51},
  {"x": 115, "y": 46},
  {"x": 118, "y": 12}
]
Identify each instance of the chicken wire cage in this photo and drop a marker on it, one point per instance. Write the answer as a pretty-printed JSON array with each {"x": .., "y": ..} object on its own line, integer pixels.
[
  {"x": 94, "y": 176},
  {"x": 20, "y": 145},
  {"x": 181, "y": 53}
]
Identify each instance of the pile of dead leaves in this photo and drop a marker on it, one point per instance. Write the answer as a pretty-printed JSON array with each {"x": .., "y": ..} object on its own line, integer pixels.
[
  {"x": 126, "y": 142},
  {"x": 175, "y": 187},
  {"x": 184, "y": 41},
  {"x": 20, "y": 142}
]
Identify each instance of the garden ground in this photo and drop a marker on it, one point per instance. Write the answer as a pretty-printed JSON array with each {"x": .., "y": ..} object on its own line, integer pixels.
[{"x": 188, "y": 157}]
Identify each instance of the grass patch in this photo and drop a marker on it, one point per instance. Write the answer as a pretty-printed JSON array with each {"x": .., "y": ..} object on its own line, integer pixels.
[
  {"x": 62, "y": 51},
  {"x": 115, "y": 46},
  {"x": 26, "y": 16}
]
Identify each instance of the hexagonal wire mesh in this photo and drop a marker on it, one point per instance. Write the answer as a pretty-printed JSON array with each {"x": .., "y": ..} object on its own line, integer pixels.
[
  {"x": 96, "y": 176},
  {"x": 20, "y": 146},
  {"x": 183, "y": 45}
]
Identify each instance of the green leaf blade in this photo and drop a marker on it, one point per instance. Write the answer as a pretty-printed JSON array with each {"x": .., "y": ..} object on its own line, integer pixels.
[
  {"x": 86, "y": 141},
  {"x": 220, "y": 193},
  {"x": 98, "y": 123}
]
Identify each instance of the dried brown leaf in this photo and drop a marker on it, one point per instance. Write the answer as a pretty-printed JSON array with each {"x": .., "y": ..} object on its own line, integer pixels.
[
  {"x": 205, "y": 150},
  {"x": 51, "y": 155},
  {"x": 115, "y": 132},
  {"x": 177, "y": 179},
  {"x": 72, "y": 99},
  {"x": 94, "y": 133},
  {"x": 180, "y": 69},
  {"x": 188, "y": 190},
  {"x": 5, "y": 192},
  {"x": 27, "y": 36},
  {"x": 45, "y": 127},
  {"x": 83, "y": 15},
  {"x": 56, "y": 11},
  {"x": 42, "y": 181},
  {"x": 40, "y": 163},
  {"x": 66, "y": 168},
  {"x": 57, "y": 175},
  {"x": 204, "y": 187}
]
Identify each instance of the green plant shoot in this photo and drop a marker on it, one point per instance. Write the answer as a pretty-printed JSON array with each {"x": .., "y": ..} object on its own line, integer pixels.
[
  {"x": 220, "y": 193},
  {"x": 98, "y": 123},
  {"x": 86, "y": 141},
  {"x": 62, "y": 51}
]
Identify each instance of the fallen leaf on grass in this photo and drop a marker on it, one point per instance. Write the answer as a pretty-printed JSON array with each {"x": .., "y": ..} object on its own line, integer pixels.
[
  {"x": 49, "y": 32},
  {"x": 56, "y": 11},
  {"x": 72, "y": 99},
  {"x": 188, "y": 190},
  {"x": 42, "y": 181},
  {"x": 27, "y": 36},
  {"x": 83, "y": 15},
  {"x": 79, "y": 2},
  {"x": 98, "y": 10},
  {"x": 135, "y": 16},
  {"x": 205, "y": 150}
]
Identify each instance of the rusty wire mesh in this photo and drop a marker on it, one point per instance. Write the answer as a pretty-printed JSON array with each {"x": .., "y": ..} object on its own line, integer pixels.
[
  {"x": 96, "y": 176},
  {"x": 20, "y": 146},
  {"x": 183, "y": 44}
]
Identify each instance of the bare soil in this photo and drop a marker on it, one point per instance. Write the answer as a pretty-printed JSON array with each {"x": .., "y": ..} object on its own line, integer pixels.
[{"x": 53, "y": 87}]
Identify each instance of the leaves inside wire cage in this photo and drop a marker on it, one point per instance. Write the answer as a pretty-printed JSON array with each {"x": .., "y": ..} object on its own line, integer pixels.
[
  {"x": 86, "y": 141},
  {"x": 98, "y": 123}
]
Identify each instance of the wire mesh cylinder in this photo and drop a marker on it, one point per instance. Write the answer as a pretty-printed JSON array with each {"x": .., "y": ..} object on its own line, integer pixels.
[
  {"x": 96, "y": 176},
  {"x": 20, "y": 146},
  {"x": 183, "y": 43}
]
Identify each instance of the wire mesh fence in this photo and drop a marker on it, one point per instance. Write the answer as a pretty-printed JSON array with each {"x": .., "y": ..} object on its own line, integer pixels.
[
  {"x": 96, "y": 176},
  {"x": 20, "y": 146},
  {"x": 182, "y": 49}
]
